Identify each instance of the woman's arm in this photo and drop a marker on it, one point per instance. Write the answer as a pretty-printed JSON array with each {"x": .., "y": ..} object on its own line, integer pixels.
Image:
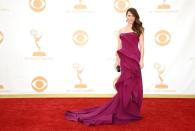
[
  {"x": 118, "y": 47},
  {"x": 141, "y": 46}
]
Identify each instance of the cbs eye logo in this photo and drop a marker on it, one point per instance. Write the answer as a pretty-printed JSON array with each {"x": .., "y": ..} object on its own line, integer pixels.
[
  {"x": 39, "y": 84},
  {"x": 37, "y": 5},
  {"x": 121, "y": 5},
  {"x": 162, "y": 37},
  {"x": 80, "y": 37}
]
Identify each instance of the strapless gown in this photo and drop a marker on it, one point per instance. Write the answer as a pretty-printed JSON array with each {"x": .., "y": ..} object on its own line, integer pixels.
[{"x": 125, "y": 106}]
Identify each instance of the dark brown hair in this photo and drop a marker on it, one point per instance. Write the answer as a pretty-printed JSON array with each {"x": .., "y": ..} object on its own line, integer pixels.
[{"x": 137, "y": 25}]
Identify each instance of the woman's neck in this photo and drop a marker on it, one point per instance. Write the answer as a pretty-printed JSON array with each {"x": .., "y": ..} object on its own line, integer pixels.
[{"x": 129, "y": 26}]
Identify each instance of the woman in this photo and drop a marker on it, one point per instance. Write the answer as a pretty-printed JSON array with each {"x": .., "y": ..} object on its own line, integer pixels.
[{"x": 125, "y": 106}]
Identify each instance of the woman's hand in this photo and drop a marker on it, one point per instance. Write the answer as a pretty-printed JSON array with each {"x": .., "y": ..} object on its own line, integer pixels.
[
  {"x": 117, "y": 63},
  {"x": 141, "y": 64}
]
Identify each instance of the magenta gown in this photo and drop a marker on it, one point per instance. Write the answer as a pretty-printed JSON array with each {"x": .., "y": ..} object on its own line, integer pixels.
[{"x": 125, "y": 106}]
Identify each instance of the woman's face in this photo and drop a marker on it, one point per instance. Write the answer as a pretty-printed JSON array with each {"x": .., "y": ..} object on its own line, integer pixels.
[{"x": 130, "y": 18}]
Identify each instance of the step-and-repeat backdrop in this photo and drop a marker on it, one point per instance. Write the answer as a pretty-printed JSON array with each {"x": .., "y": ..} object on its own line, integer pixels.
[{"x": 68, "y": 46}]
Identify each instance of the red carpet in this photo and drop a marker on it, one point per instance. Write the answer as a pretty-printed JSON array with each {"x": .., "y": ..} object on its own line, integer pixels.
[{"x": 41, "y": 114}]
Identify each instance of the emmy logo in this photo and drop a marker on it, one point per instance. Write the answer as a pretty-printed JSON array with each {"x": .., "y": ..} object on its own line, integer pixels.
[
  {"x": 160, "y": 72},
  {"x": 37, "y": 38},
  {"x": 164, "y": 5},
  {"x": 39, "y": 84},
  {"x": 121, "y": 5},
  {"x": 1, "y": 87},
  {"x": 79, "y": 70},
  {"x": 80, "y": 37},
  {"x": 37, "y": 5},
  {"x": 162, "y": 37},
  {"x": 80, "y": 6},
  {"x": 1, "y": 37}
]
